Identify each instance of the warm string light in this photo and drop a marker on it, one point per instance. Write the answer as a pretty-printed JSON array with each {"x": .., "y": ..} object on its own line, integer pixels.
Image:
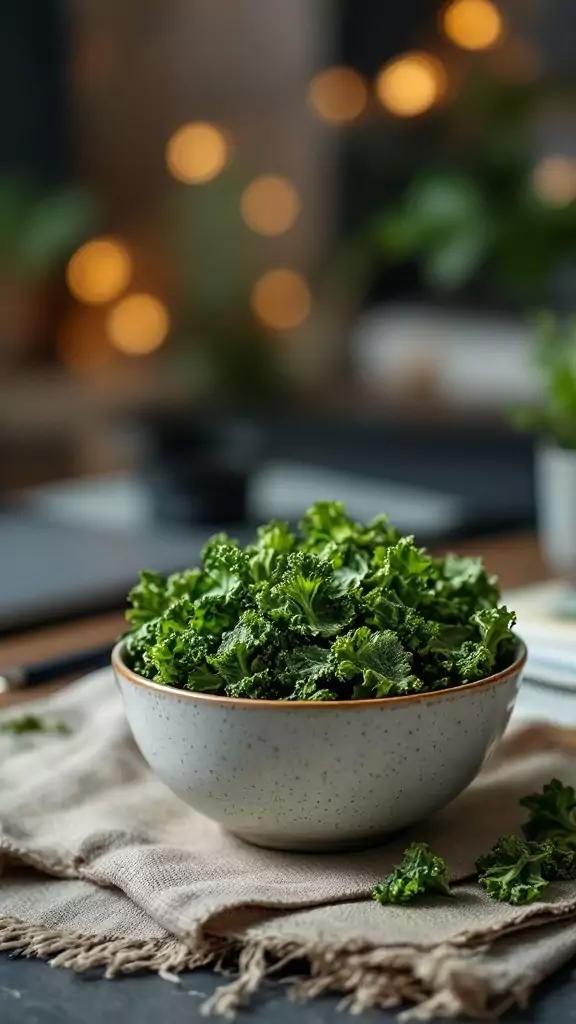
[
  {"x": 473, "y": 24},
  {"x": 411, "y": 84},
  {"x": 554, "y": 180},
  {"x": 99, "y": 271},
  {"x": 281, "y": 299},
  {"x": 196, "y": 153},
  {"x": 270, "y": 205},
  {"x": 338, "y": 95},
  {"x": 138, "y": 324}
]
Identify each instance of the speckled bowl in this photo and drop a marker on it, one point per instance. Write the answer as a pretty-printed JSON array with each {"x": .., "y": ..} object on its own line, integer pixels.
[{"x": 313, "y": 775}]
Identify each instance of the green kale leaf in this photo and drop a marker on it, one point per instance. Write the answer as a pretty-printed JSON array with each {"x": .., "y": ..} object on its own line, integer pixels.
[
  {"x": 516, "y": 870},
  {"x": 148, "y": 598},
  {"x": 180, "y": 658},
  {"x": 137, "y": 646},
  {"x": 305, "y": 598},
  {"x": 308, "y": 664},
  {"x": 268, "y": 553},
  {"x": 244, "y": 654},
  {"x": 33, "y": 723},
  {"x": 552, "y": 815},
  {"x": 419, "y": 872},
  {"x": 190, "y": 584},
  {"x": 327, "y": 523},
  {"x": 376, "y": 663}
]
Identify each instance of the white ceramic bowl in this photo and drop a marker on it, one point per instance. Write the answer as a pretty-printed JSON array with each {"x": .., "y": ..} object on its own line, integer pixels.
[{"x": 313, "y": 775}]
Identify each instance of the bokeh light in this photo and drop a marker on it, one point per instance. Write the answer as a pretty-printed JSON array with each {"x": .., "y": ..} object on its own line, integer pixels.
[
  {"x": 281, "y": 299},
  {"x": 196, "y": 153},
  {"x": 554, "y": 180},
  {"x": 338, "y": 95},
  {"x": 270, "y": 205},
  {"x": 138, "y": 324},
  {"x": 99, "y": 271},
  {"x": 411, "y": 84},
  {"x": 473, "y": 24},
  {"x": 81, "y": 341}
]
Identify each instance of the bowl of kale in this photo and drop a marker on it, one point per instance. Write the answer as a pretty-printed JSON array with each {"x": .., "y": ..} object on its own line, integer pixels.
[{"x": 318, "y": 688}]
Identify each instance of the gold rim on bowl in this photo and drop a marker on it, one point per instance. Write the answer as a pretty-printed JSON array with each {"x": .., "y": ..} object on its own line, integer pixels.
[{"x": 213, "y": 698}]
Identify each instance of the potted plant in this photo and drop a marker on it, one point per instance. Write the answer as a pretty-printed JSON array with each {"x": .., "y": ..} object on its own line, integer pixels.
[
  {"x": 39, "y": 229},
  {"x": 553, "y": 421}
]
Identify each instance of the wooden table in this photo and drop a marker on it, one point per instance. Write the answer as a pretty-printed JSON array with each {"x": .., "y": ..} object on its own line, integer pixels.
[{"x": 516, "y": 559}]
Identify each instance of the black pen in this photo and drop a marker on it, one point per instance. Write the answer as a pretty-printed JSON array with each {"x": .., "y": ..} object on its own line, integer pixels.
[{"x": 24, "y": 677}]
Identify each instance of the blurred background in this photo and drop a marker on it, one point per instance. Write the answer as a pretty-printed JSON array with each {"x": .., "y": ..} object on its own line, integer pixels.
[{"x": 260, "y": 253}]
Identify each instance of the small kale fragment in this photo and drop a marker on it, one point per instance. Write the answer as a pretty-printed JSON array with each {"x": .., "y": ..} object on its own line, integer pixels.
[
  {"x": 419, "y": 872},
  {"x": 516, "y": 870},
  {"x": 552, "y": 815},
  {"x": 33, "y": 723}
]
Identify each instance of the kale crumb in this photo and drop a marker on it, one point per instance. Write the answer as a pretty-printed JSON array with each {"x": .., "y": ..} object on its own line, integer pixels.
[
  {"x": 33, "y": 723},
  {"x": 419, "y": 872}
]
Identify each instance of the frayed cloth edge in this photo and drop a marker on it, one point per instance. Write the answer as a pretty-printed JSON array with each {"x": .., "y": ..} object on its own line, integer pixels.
[{"x": 441, "y": 983}]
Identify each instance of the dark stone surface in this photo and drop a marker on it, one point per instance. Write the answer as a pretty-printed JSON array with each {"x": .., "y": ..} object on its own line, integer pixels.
[{"x": 32, "y": 993}]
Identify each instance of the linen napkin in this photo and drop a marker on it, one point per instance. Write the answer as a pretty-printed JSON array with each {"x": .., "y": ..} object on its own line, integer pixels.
[{"x": 103, "y": 866}]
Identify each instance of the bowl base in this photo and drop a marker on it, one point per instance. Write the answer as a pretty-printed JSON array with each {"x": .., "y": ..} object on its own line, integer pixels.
[{"x": 314, "y": 845}]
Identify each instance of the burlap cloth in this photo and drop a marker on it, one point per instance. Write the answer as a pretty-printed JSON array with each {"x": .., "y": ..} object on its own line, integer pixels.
[{"x": 102, "y": 866}]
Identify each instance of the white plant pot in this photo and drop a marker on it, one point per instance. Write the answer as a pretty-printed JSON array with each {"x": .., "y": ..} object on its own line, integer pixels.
[{"x": 556, "y": 508}]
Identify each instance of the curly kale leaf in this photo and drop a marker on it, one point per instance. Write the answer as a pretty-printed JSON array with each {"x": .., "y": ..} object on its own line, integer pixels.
[
  {"x": 213, "y": 616},
  {"x": 148, "y": 598},
  {"x": 309, "y": 691},
  {"x": 180, "y": 658},
  {"x": 515, "y": 870},
  {"x": 259, "y": 686},
  {"x": 350, "y": 565},
  {"x": 307, "y": 673},
  {"x": 305, "y": 598},
  {"x": 407, "y": 573},
  {"x": 560, "y": 865},
  {"x": 494, "y": 625},
  {"x": 404, "y": 568},
  {"x": 268, "y": 553},
  {"x": 327, "y": 523},
  {"x": 419, "y": 872},
  {"x": 385, "y": 610},
  {"x": 463, "y": 587},
  {"x": 552, "y": 815},
  {"x": 444, "y": 653},
  {"x": 244, "y": 656},
  {"x": 190, "y": 584},
  {"x": 137, "y": 646},
  {"x": 308, "y": 663},
  {"x": 226, "y": 567},
  {"x": 377, "y": 664}
]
